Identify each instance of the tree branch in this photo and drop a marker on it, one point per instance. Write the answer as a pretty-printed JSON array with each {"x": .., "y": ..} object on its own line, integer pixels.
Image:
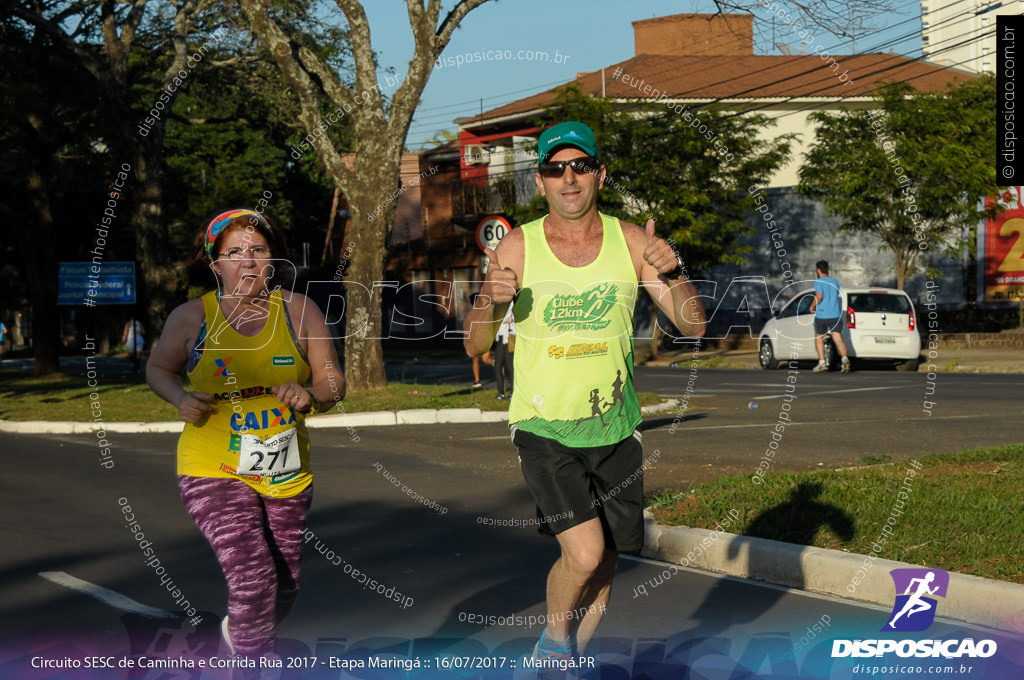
[{"x": 308, "y": 92}]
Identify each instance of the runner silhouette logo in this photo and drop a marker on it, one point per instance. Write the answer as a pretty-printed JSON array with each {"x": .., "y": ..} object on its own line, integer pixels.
[{"x": 916, "y": 590}]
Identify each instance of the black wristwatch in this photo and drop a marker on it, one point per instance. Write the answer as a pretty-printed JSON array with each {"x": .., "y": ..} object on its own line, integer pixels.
[{"x": 680, "y": 271}]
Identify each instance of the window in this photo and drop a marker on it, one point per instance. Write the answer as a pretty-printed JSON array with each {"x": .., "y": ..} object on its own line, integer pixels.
[{"x": 879, "y": 303}]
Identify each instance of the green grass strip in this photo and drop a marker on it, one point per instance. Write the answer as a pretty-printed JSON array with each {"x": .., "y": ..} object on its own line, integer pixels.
[{"x": 964, "y": 511}]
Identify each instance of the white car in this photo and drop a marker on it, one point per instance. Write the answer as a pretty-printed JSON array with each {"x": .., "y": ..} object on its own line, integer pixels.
[{"x": 878, "y": 324}]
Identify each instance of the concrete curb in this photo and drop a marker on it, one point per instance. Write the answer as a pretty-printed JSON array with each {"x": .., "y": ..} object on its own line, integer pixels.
[
  {"x": 416, "y": 416},
  {"x": 971, "y": 599},
  {"x": 57, "y": 427},
  {"x": 423, "y": 416}
]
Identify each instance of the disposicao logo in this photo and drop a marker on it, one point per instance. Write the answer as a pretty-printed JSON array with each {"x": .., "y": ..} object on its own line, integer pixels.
[{"x": 913, "y": 611}]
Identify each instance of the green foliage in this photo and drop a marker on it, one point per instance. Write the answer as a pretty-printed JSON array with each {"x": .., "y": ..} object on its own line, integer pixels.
[
  {"x": 943, "y": 143},
  {"x": 661, "y": 166},
  {"x": 233, "y": 138}
]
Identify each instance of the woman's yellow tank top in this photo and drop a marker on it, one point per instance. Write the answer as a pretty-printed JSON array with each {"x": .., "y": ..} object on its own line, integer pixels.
[{"x": 248, "y": 435}]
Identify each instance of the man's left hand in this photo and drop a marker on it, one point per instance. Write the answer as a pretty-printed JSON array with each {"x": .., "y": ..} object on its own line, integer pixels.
[{"x": 659, "y": 254}]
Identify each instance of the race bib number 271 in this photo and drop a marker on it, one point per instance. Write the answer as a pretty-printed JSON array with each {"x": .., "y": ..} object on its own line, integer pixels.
[{"x": 278, "y": 455}]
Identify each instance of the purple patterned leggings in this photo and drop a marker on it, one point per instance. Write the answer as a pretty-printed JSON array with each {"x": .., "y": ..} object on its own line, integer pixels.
[{"x": 258, "y": 543}]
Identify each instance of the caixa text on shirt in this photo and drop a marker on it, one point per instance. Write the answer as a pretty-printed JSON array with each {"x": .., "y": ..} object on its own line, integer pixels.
[{"x": 261, "y": 420}]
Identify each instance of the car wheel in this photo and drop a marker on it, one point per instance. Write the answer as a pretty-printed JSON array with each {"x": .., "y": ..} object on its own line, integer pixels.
[
  {"x": 766, "y": 355},
  {"x": 909, "y": 365},
  {"x": 831, "y": 355}
]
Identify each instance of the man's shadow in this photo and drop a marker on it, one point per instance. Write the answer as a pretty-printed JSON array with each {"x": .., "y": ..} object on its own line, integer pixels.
[
  {"x": 795, "y": 522},
  {"x": 799, "y": 519}
]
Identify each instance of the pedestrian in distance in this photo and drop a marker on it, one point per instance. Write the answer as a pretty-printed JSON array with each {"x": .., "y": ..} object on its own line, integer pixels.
[
  {"x": 134, "y": 338},
  {"x": 486, "y": 358},
  {"x": 574, "y": 275},
  {"x": 3, "y": 338},
  {"x": 504, "y": 349},
  {"x": 258, "y": 364},
  {"x": 828, "y": 317}
]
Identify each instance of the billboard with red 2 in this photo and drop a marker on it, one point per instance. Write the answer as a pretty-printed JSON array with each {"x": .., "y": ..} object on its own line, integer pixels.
[{"x": 1001, "y": 252}]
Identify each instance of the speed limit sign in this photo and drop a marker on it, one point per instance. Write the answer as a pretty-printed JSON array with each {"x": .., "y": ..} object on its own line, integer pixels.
[{"x": 491, "y": 230}]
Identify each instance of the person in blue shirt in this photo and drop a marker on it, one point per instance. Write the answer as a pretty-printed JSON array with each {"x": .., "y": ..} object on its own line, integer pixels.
[{"x": 828, "y": 317}]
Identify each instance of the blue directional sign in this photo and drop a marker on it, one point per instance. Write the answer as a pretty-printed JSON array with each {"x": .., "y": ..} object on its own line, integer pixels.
[{"x": 106, "y": 283}]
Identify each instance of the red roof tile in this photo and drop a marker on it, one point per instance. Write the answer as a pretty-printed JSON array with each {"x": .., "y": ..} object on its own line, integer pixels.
[{"x": 747, "y": 77}]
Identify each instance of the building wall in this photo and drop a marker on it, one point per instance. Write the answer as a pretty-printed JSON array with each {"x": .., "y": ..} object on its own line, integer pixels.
[
  {"x": 794, "y": 117},
  {"x": 408, "y": 218},
  {"x": 689, "y": 34},
  {"x": 961, "y": 33},
  {"x": 809, "y": 234}
]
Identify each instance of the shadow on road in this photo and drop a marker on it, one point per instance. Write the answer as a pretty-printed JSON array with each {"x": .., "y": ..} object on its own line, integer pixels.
[{"x": 795, "y": 522}]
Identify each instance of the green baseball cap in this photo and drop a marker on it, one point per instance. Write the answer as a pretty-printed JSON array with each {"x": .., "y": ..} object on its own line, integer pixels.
[{"x": 570, "y": 133}]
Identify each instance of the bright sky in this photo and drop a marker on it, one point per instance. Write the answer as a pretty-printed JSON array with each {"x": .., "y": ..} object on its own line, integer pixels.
[{"x": 589, "y": 33}]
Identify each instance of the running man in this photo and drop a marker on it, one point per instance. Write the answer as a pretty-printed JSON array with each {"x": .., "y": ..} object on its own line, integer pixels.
[
  {"x": 828, "y": 316},
  {"x": 915, "y": 604},
  {"x": 574, "y": 276}
]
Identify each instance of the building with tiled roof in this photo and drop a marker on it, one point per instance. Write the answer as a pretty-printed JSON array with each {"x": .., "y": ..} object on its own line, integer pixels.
[
  {"x": 694, "y": 60},
  {"x": 682, "y": 62}
]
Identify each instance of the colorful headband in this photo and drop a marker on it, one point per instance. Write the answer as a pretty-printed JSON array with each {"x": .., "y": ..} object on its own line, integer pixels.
[{"x": 218, "y": 223}]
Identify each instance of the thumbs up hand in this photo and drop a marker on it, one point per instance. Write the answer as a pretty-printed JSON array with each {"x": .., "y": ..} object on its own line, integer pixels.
[
  {"x": 501, "y": 284},
  {"x": 659, "y": 254}
]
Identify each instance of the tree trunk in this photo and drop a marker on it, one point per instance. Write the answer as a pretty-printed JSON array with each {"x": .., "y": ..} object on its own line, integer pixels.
[
  {"x": 41, "y": 271},
  {"x": 364, "y": 356},
  {"x": 157, "y": 277},
  {"x": 904, "y": 265}
]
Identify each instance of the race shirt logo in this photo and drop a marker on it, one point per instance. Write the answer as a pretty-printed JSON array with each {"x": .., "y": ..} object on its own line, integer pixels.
[
  {"x": 244, "y": 393},
  {"x": 262, "y": 420},
  {"x": 587, "y": 349},
  {"x": 582, "y": 349},
  {"x": 585, "y": 311},
  {"x": 222, "y": 367},
  {"x": 283, "y": 361}
]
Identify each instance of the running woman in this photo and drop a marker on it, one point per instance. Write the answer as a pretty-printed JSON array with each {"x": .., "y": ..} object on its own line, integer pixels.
[
  {"x": 258, "y": 361},
  {"x": 576, "y": 273}
]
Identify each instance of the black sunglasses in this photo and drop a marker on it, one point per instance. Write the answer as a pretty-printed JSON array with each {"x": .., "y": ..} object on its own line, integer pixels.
[{"x": 580, "y": 166}]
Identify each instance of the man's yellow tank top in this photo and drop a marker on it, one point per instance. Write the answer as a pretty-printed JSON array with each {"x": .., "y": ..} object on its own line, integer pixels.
[
  {"x": 574, "y": 343},
  {"x": 248, "y": 435}
]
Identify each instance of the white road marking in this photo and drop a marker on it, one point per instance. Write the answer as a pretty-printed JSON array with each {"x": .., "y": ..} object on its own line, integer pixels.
[
  {"x": 842, "y": 422},
  {"x": 104, "y": 595},
  {"x": 856, "y": 389}
]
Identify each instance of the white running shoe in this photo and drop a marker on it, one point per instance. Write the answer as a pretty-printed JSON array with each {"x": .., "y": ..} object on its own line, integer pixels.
[
  {"x": 226, "y": 635},
  {"x": 820, "y": 367}
]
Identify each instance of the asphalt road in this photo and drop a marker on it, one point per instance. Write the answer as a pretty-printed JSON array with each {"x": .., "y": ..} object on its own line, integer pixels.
[
  {"x": 64, "y": 521},
  {"x": 836, "y": 419}
]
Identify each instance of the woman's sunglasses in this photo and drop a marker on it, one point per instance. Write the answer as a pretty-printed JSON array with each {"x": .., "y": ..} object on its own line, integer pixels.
[{"x": 580, "y": 166}]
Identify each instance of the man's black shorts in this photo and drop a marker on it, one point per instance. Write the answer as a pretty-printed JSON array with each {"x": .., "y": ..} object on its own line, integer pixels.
[
  {"x": 826, "y": 326},
  {"x": 574, "y": 485}
]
